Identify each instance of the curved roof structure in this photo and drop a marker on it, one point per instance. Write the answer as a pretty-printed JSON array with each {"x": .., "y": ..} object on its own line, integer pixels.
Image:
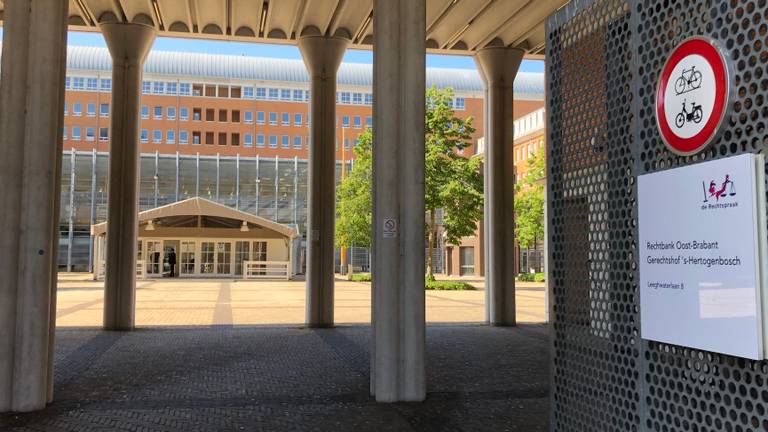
[
  {"x": 202, "y": 207},
  {"x": 245, "y": 68}
]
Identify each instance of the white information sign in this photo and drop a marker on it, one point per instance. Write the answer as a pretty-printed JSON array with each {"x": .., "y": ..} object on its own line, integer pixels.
[{"x": 702, "y": 252}]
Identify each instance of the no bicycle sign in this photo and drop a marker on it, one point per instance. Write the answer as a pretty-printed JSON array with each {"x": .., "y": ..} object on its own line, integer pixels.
[{"x": 692, "y": 95}]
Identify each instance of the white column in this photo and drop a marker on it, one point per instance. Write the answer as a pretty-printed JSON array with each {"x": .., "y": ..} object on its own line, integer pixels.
[
  {"x": 322, "y": 56},
  {"x": 128, "y": 44},
  {"x": 398, "y": 371},
  {"x": 31, "y": 121},
  {"x": 498, "y": 66}
]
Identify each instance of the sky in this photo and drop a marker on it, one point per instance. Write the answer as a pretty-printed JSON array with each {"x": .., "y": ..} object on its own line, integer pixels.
[{"x": 278, "y": 51}]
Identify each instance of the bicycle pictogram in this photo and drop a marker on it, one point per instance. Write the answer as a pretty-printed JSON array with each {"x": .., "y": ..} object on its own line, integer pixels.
[
  {"x": 685, "y": 116},
  {"x": 689, "y": 80}
]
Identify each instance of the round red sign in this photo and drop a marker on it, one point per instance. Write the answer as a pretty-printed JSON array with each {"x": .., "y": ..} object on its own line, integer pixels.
[{"x": 692, "y": 95}]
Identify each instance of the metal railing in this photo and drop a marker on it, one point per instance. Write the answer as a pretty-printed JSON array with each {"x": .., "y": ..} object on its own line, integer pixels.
[
  {"x": 141, "y": 270},
  {"x": 266, "y": 270}
]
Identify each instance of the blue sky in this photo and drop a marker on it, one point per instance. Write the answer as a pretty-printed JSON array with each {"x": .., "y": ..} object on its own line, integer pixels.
[{"x": 278, "y": 51}]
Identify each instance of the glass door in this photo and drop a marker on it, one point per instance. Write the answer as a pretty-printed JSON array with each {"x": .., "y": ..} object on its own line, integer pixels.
[
  {"x": 187, "y": 249},
  {"x": 154, "y": 257},
  {"x": 223, "y": 256},
  {"x": 207, "y": 258},
  {"x": 260, "y": 254},
  {"x": 467, "y": 261},
  {"x": 242, "y": 253}
]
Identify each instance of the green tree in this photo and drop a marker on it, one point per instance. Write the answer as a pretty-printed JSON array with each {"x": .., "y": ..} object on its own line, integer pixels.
[
  {"x": 353, "y": 221},
  {"x": 453, "y": 182},
  {"x": 529, "y": 203}
]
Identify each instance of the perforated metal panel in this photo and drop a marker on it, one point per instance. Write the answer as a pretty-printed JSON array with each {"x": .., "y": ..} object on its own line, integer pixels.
[{"x": 604, "y": 57}]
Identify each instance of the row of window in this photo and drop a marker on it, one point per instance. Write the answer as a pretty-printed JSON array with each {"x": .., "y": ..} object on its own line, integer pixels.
[
  {"x": 90, "y": 134},
  {"x": 175, "y": 88},
  {"x": 90, "y": 109}
]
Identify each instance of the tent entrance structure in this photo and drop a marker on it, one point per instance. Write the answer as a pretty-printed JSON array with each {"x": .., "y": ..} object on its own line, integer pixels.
[{"x": 200, "y": 238}]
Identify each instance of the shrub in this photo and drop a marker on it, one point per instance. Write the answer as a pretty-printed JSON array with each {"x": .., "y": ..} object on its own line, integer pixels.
[
  {"x": 359, "y": 277},
  {"x": 539, "y": 277},
  {"x": 448, "y": 286},
  {"x": 531, "y": 277}
]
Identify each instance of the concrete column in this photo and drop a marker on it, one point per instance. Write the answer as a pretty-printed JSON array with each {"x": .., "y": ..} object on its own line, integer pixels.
[
  {"x": 31, "y": 121},
  {"x": 322, "y": 56},
  {"x": 398, "y": 371},
  {"x": 128, "y": 44},
  {"x": 498, "y": 66}
]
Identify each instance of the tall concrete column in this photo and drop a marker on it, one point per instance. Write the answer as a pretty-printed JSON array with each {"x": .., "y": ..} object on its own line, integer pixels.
[
  {"x": 498, "y": 67},
  {"x": 398, "y": 371},
  {"x": 322, "y": 56},
  {"x": 128, "y": 44},
  {"x": 31, "y": 121}
]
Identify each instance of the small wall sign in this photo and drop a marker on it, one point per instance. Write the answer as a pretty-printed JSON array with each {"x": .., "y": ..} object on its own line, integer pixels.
[{"x": 692, "y": 95}]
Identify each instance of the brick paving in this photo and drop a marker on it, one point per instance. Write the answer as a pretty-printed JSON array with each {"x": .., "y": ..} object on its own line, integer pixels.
[{"x": 224, "y": 378}]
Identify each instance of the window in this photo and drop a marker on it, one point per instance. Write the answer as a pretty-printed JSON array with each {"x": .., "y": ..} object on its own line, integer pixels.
[
  {"x": 357, "y": 98},
  {"x": 260, "y": 141},
  {"x": 184, "y": 113},
  {"x": 357, "y": 123},
  {"x": 210, "y": 90},
  {"x": 222, "y": 115},
  {"x": 76, "y": 133},
  {"x": 236, "y": 92},
  {"x": 77, "y": 109},
  {"x": 144, "y": 112},
  {"x": 103, "y": 134},
  {"x": 298, "y": 95},
  {"x": 345, "y": 121},
  {"x": 90, "y": 134},
  {"x": 285, "y": 94},
  {"x": 274, "y": 94},
  {"x": 235, "y": 116},
  {"x": 273, "y": 141},
  {"x": 171, "y": 88},
  {"x": 369, "y": 122},
  {"x": 285, "y": 142},
  {"x": 146, "y": 87},
  {"x": 209, "y": 138},
  {"x": 297, "y": 119},
  {"x": 286, "y": 119},
  {"x": 197, "y": 114},
  {"x": 261, "y": 93},
  {"x": 184, "y": 89},
  {"x": 157, "y": 136},
  {"x": 222, "y": 138},
  {"x": 170, "y": 136},
  {"x": 248, "y": 117},
  {"x": 106, "y": 85},
  {"x": 196, "y": 138},
  {"x": 223, "y": 91},
  {"x": 158, "y": 113},
  {"x": 91, "y": 109},
  {"x": 67, "y": 83},
  {"x": 197, "y": 89},
  {"x": 144, "y": 135},
  {"x": 345, "y": 98},
  {"x": 104, "y": 110},
  {"x": 235, "y": 139},
  {"x": 64, "y": 135},
  {"x": 260, "y": 117},
  {"x": 183, "y": 137},
  {"x": 92, "y": 84},
  {"x": 78, "y": 83},
  {"x": 247, "y": 92},
  {"x": 210, "y": 114},
  {"x": 346, "y": 143},
  {"x": 273, "y": 118},
  {"x": 248, "y": 140},
  {"x": 297, "y": 142},
  {"x": 306, "y": 95},
  {"x": 171, "y": 113},
  {"x": 65, "y": 108},
  {"x": 158, "y": 87},
  {"x": 369, "y": 98},
  {"x": 459, "y": 103}
]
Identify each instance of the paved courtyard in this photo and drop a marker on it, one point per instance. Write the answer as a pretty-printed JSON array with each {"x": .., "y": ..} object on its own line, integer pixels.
[
  {"x": 220, "y": 378},
  {"x": 201, "y": 302}
]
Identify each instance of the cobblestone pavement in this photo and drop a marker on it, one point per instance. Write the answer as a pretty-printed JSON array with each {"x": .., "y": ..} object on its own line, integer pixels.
[
  {"x": 188, "y": 302},
  {"x": 273, "y": 379}
]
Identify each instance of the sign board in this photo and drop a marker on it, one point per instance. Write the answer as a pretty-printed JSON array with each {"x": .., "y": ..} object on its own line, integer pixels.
[
  {"x": 389, "y": 228},
  {"x": 702, "y": 256},
  {"x": 692, "y": 95}
]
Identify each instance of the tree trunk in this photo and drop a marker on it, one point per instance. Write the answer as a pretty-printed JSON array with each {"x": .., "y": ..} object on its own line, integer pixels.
[{"x": 430, "y": 241}]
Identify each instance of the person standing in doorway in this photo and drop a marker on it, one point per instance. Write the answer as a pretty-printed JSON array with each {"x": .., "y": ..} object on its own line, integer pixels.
[{"x": 172, "y": 262}]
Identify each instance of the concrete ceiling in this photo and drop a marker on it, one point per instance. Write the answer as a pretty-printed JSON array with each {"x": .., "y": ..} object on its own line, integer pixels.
[{"x": 453, "y": 26}]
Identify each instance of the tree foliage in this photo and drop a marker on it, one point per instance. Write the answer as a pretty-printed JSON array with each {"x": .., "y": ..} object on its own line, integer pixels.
[
  {"x": 529, "y": 203},
  {"x": 353, "y": 222}
]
